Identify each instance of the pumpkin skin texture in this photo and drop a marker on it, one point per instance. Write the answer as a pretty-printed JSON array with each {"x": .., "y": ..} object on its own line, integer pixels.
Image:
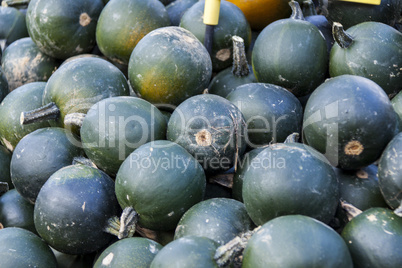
[
  {"x": 122, "y": 24},
  {"x": 63, "y": 29},
  {"x": 5, "y": 159},
  {"x": 231, "y": 22},
  {"x": 136, "y": 122},
  {"x": 290, "y": 178},
  {"x": 374, "y": 238},
  {"x": 80, "y": 83},
  {"x": 325, "y": 247},
  {"x": 389, "y": 172},
  {"x": 23, "y": 63},
  {"x": 12, "y": 25},
  {"x": 271, "y": 112},
  {"x": 375, "y": 53},
  {"x": 16, "y": 211},
  {"x": 211, "y": 129},
  {"x": 168, "y": 66},
  {"x": 350, "y": 14},
  {"x": 73, "y": 208},
  {"x": 220, "y": 219},
  {"x": 291, "y": 53},
  {"x": 190, "y": 251},
  {"x": 38, "y": 155},
  {"x": 397, "y": 105},
  {"x": 342, "y": 132},
  {"x": 133, "y": 252},
  {"x": 161, "y": 181},
  {"x": 26, "y": 97},
  {"x": 22, "y": 248}
]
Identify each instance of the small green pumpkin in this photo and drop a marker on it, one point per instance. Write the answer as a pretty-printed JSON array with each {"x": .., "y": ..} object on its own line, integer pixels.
[{"x": 177, "y": 8}]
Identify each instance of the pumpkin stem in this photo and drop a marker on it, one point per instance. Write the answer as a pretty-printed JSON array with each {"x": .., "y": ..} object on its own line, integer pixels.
[
  {"x": 297, "y": 13},
  {"x": 125, "y": 226},
  {"x": 240, "y": 65},
  {"x": 351, "y": 211},
  {"x": 80, "y": 160},
  {"x": 226, "y": 254},
  {"x": 341, "y": 37},
  {"x": 48, "y": 112},
  {"x": 4, "y": 187},
  {"x": 398, "y": 210},
  {"x": 74, "y": 120},
  {"x": 309, "y": 8},
  {"x": 292, "y": 138}
]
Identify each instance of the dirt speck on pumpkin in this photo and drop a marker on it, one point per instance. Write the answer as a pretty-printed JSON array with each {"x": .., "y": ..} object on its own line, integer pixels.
[
  {"x": 85, "y": 19},
  {"x": 353, "y": 148},
  {"x": 223, "y": 54}
]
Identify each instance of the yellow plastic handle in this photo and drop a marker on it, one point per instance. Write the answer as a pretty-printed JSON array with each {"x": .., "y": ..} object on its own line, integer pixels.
[
  {"x": 369, "y": 2},
  {"x": 211, "y": 12}
]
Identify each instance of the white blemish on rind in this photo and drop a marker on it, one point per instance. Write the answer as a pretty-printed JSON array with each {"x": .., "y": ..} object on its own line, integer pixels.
[{"x": 108, "y": 259}]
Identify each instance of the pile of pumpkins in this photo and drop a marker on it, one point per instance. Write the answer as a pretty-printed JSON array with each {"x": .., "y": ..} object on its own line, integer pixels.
[{"x": 124, "y": 142}]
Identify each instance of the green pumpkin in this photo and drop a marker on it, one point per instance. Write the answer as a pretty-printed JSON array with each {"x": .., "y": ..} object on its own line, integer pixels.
[
  {"x": 26, "y": 97},
  {"x": 342, "y": 118},
  {"x": 3, "y": 84},
  {"x": 374, "y": 238},
  {"x": 123, "y": 23},
  {"x": 73, "y": 208},
  {"x": 135, "y": 252},
  {"x": 136, "y": 122},
  {"x": 291, "y": 53},
  {"x": 5, "y": 159},
  {"x": 220, "y": 219},
  {"x": 160, "y": 180},
  {"x": 23, "y": 63},
  {"x": 189, "y": 251},
  {"x": 296, "y": 241},
  {"x": 177, "y": 8},
  {"x": 22, "y": 248},
  {"x": 231, "y": 22},
  {"x": 168, "y": 66},
  {"x": 62, "y": 29},
  {"x": 369, "y": 49},
  {"x": 13, "y": 25},
  {"x": 397, "y": 105}
]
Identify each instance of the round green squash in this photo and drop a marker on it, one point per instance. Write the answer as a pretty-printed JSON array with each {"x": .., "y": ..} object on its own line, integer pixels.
[
  {"x": 5, "y": 159},
  {"x": 271, "y": 112},
  {"x": 77, "y": 85},
  {"x": 291, "y": 53},
  {"x": 397, "y": 105},
  {"x": 3, "y": 84},
  {"x": 374, "y": 238},
  {"x": 135, "y": 252},
  {"x": 38, "y": 155},
  {"x": 290, "y": 178},
  {"x": 359, "y": 188},
  {"x": 296, "y": 241},
  {"x": 169, "y": 65},
  {"x": 369, "y": 49},
  {"x": 177, "y": 8},
  {"x": 160, "y": 180},
  {"x": 73, "y": 208},
  {"x": 22, "y": 248},
  {"x": 232, "y": 22},
  {"x": 342, "y": 118},
  {"x": 12, "y": 25},
  {"x": 26, "y": 97},
  {"x": 62, "y": 29},
  {"x": 23, "y": 63},
  {"x": 136, "y": 122},
  {"x": 389, "y": 172},
  {"x": 16, "y": 211},
  {"x": 190, "y": 251},
  {"x": 220, "y": 219},
  {"x": 350, "y": 14},
  {"x": 211, "y": 129},
  {"x": 123, "y": 23}
]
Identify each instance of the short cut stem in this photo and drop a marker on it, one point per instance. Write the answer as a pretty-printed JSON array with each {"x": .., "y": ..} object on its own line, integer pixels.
[
  {"x": 342, "y": 38},
  {"x": 48, "y": 112}
]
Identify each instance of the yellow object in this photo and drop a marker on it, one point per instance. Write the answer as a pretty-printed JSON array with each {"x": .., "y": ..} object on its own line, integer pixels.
[
  {"x": 370, "y": 2},
  {"x": 211, "y": 12},
  {"x": 260, "y": 13}
]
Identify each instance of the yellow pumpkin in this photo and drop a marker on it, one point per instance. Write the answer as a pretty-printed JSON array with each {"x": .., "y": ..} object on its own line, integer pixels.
[{"x": 260, "y": 13}]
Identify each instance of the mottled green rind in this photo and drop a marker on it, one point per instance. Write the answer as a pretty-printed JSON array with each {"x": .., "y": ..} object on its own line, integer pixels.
[{"x": 13, "y": 25}]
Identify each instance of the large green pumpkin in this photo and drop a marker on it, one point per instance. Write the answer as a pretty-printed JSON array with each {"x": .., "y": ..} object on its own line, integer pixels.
[
  {"x": 370, "y": 49},
  {"x": 13, "y": 25},
  {"x": 61, "y": 28},
  {"x": 168, "y": 66},
  {"x": 123, "y": 23}
]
